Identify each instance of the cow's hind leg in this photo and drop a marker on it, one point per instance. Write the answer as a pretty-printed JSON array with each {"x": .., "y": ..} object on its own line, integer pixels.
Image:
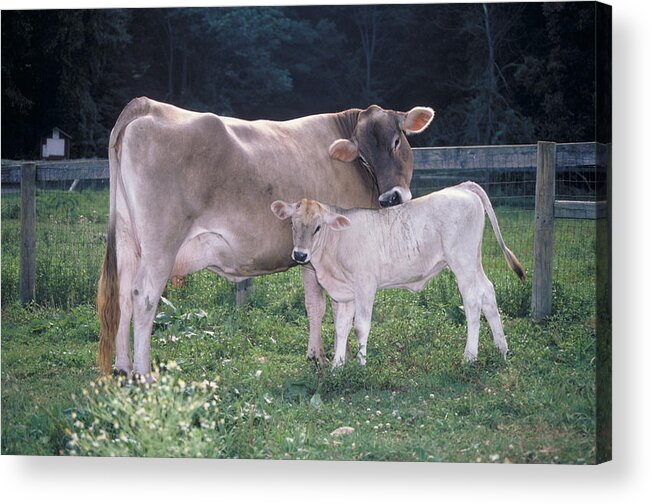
[
  {"x": 148, "y": 286},
  {"x": 127, "y": 260},
  {"x": 489, "y": 307},
  {"x": 315, "y": 305}
]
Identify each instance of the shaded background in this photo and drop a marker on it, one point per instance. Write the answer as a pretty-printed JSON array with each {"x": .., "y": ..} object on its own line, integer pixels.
[{"x": 495, "y": 73}]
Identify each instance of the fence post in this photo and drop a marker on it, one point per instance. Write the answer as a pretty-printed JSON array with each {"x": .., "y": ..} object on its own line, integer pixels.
[
  {"x": 27, "y": 232},
  {"x": 543, "y": 255},
  {"x": 243, "y": 292}
]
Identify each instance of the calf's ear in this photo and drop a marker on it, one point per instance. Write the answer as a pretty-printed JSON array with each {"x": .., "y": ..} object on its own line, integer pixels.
[
  {"x": 343, "y": 150},
  {"x": 417, "y": 119},
  {"x": 283, "y": 210},
  {"x": 336, "y": 221}
]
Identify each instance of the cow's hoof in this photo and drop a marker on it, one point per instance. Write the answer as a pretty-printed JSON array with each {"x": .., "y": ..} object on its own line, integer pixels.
[
  {"x": 144, "y": 379},
  {"x": 319, "y": 360},
  {"x": 121, "y": 375}
]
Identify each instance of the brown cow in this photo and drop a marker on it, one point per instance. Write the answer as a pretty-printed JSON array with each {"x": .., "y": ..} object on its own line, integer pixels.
[{"x": 192, "y": 190}]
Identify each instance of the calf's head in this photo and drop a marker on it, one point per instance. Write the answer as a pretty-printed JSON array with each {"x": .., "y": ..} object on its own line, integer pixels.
[
  {"x": 309, "y": 218},
  {"x": 380, "y": 145}
]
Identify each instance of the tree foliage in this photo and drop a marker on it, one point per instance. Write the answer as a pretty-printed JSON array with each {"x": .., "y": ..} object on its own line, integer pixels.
[{"x": 495, "y": 73}]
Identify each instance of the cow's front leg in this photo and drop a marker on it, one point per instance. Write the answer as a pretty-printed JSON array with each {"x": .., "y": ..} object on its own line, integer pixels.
[
  {"x": 343, "y": 323},
  {"x": 315, "y": 305}
]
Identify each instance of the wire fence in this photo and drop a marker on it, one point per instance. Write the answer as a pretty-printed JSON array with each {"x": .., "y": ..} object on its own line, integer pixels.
[
  {"x": 508, "y": 175},
  {"x": 70, "y": 241},
  {"x": 71, "y": 224}
]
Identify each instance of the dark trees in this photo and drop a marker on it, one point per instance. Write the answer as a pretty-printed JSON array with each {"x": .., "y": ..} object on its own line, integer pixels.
[
  {"x": 60, "y": 70},
  {"x": 495, "y": 73}
]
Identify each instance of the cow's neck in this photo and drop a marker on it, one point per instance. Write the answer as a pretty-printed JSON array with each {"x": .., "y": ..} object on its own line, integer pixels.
[{"x": 346, "y": 122}]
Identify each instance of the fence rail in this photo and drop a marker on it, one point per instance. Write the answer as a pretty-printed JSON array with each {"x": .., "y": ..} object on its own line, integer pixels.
[
  {"x": 434, "y": 167},
  {"x": 52, "y": 171},
  {"x": 569, "y": 156}
]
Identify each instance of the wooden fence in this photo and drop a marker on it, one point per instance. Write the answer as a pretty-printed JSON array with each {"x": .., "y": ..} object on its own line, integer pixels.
[{"x": 546, "y": 160}]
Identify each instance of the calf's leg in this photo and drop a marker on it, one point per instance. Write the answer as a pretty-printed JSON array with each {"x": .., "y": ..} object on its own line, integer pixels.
[
  {"x": 335, "y": 306},
  {"x": 489, "y": 307},
  {"x": 315, "y": 305},
  {"x": 472, "y": 301},
  {"x": 363, "y": 311},
  {"x": 343, "y": 323}
]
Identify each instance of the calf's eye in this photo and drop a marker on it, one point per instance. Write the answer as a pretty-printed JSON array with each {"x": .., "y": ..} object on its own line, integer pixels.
[{"x": 317, "y": 229}]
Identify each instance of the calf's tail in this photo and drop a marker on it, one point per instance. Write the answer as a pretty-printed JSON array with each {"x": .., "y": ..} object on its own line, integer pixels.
[{"x": 511, "y": 260}]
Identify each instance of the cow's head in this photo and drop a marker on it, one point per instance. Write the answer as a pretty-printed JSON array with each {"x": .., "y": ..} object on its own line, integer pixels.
[
  {"x": 380, "y": 144},
  {"x": 309, "y": 218}
]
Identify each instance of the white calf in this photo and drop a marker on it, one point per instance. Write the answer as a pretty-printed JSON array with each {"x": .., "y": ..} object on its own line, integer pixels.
[{"x": 356, "y": 252}]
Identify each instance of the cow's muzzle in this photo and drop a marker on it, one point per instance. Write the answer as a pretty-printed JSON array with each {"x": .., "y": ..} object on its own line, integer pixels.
[
  {"x": 394, "y": 196},
  {"x": 300, "y": 256}
]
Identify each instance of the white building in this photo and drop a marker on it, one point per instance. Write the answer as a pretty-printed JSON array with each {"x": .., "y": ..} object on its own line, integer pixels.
[{"x": 56, "y": 145}]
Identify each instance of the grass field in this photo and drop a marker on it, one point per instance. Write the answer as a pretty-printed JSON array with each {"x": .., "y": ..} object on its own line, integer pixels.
[{"x": 235, "y": 382}]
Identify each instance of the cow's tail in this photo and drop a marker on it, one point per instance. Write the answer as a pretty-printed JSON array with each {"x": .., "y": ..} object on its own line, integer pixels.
[
  {"x": 108, "y": 293},
  {"x": 512, "y": 261}
]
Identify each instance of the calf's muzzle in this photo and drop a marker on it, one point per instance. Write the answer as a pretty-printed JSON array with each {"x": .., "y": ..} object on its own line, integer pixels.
[{"x": 299, "y": 257}]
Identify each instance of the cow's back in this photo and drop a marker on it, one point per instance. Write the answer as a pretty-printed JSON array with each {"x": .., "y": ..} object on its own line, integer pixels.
[{"x": 221, "y": 174}]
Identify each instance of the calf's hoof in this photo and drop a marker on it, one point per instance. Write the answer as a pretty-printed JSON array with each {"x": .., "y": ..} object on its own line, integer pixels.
[
  {"x": 469, "y": 357},
  {"x": 338, "y": 364}
]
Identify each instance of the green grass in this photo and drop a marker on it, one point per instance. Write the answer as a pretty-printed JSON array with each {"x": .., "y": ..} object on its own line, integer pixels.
[{"x": 235, "y": 383}]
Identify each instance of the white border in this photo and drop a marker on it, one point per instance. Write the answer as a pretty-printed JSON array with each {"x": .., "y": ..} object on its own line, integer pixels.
[{"x": 626, "y": 479}]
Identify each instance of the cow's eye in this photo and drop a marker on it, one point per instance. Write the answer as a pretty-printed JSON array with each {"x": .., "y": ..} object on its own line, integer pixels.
[
  {"x": 363, "y": 161},
  {"x": 317, "y": 229},
  {"x": 396, "y": 143}
]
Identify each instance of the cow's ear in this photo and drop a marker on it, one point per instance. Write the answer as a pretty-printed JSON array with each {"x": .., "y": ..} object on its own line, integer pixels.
[
  {"x": 417, "y": 119},
  {"x": 336, "y": 221},
  {"x": 283, "y": 210},
  {"x": 343, "y": 150}
]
